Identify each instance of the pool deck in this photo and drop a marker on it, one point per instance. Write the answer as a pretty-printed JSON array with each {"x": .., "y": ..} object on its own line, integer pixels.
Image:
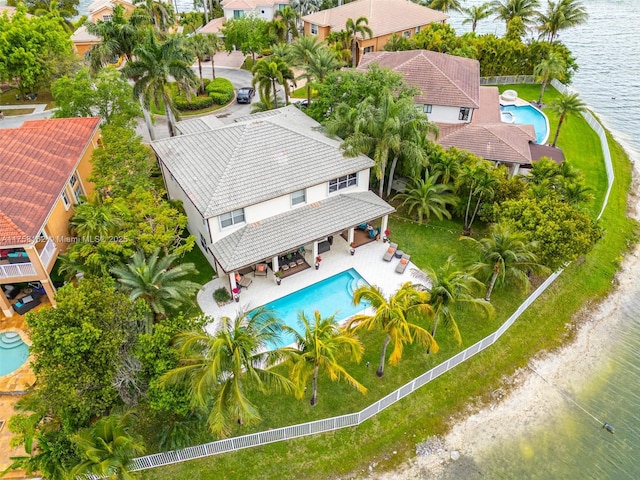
[{"x": 367, "y": 261}]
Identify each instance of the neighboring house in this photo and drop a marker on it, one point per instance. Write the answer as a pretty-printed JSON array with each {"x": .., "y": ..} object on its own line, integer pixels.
[
  {"x": 467, "y": 114},
  {"x": 44, "y": 167},
  {"x": 98, "y": 10},
  {"x": 264, "y": 9},
  {"x": 386, "y": 18},
  {"x": 268, "y": 185}
]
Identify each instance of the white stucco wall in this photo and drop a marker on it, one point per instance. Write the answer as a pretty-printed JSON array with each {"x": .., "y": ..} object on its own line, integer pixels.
[
  {"x": 265, "y": 13},
  {"x": 445, "y": 114}
]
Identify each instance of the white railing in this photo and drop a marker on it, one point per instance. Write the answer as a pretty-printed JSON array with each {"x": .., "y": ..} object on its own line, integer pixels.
[
  {"x": 17, "y": 270},
  {"x": 508, "y": 80},
  {"x": 354, "y": 419},
  {"x": 47, "y": 253}
]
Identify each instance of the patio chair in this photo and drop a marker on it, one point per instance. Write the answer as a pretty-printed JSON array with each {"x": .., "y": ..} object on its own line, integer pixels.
[
  {"x": 293, "y": 264},
  {"x": 284, "y": 267},
  {"x": 245, "y": 282},
  {"x": 261, "y": 269},
  {"x": 402, "y": 264},
  {"x": 388, "y": 255}
]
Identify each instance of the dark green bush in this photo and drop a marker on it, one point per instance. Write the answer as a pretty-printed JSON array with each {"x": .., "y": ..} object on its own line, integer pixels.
[
  {"x": 196, "y": 103},
  {"x": 220, "y": 98},
  {"x": 221, "y": 295},
  {"x": 221, "y": 90}
]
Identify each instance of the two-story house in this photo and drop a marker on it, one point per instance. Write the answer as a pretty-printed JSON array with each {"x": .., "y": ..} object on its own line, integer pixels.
[
  {"x": 467, "y": 114},
  {"x": 269, "y": 184},
  {"x": 264, "y": 9},
  {"x": 44, "y": 167},
  {"x": 386, "y": 18}
]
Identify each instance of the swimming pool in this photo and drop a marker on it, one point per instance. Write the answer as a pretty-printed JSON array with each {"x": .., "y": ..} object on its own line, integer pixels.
[
  {"x": 333, "y": 295},
  {"x": 529, "y": 115},
  {"x": 13, "y": 352}
]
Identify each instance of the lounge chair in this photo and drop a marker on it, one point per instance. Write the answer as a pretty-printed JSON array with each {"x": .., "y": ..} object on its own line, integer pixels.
[
  {"x": 388, "y": 255},
  {"x": 245, "y": 282},
  {"x": 402, "y": 264},
  {"x": 261, "y": 269},
  {"x": 300, "y": 261},
  {"x": 293, "y": 264},
  {"x": 284, "y": 267}
]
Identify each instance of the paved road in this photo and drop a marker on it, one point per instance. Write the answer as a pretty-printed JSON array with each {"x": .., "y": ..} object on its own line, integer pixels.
[{"x": 239, "y": 78}]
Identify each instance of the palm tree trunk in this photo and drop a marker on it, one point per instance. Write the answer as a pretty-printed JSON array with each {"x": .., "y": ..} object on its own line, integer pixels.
[
  {"x": 391, "y": 174},
  {"x": 354, "y": 48},
  {"x": 467, "y": 228},
  {"x": 147, "y": 119},
  {"x": 201, "y": 80},
  {"x": 169, "y": 114},
  {"x": 433, "y": 333},
  {"x": 543, "y": 86},
  {"x": 475, "y": 212},
  {"x": 308, "y": 93},
  {"x": 275, "y": 93},
  {"x": 383, "y": 169},
  {"x": 383, "y": 356},
  {"x": 314, "y": 390},
  {"x": 206, "y": 12},
  {"x": 492, "y": 283},
  {"x": 555, "y": 139}
]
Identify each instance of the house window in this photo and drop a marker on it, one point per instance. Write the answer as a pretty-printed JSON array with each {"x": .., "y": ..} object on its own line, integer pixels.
[
  {"x": 427, "y": 108},
  {"x": 298, "y": 197},
  {"x": 368, "y": 49},
  {"x": 343, "y": 182},
  {"x": 232, "y": 218},
  {"x": 203, "y": 241},
  {"x": 238, "y": 13},
  {"x": 65, "y": 200},
  {"x": 77, "y": 193},
  {"x": 107, "y": 18},
  {"x": 314, "y": 29},
  {"x": 464, "y": 113},
  {"x": 73, "y": 180},
  {"x": 418, "y": 29},
  {"x": 406, "y": 33}
]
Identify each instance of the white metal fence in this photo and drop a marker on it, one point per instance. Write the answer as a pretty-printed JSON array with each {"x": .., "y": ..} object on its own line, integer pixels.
[{"x": 354, "y": 419}]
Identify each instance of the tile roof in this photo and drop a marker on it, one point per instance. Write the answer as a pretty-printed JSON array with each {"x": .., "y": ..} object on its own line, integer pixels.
[
  {"x": 442, "y": 79},
  {"x": 385, "y": 16},
  {"x": 100, "y": 4},
  {"x": 281, "y": 233},
  {"x": 500, "y": 142},
  {"x": 81, "y": 35},
  {"x": 36, "y": 161},
  {"x": 244, "y": 163},
  {"x": 214, "y": 26},
  {"x": 538, "y": 151},
  {"x": 251, "y": 4},
  {"x": 201, "y": 124},
  {"x": 489, "y": 111}
]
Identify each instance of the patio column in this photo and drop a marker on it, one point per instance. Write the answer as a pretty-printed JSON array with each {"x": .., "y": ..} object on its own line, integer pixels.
[
  {"x": 275, "y": 263},
  {"x": 5, "y": 305},
  {"x": 232, "y": 281},
  {"x": 350, "y": 235},
  {"x": 383, "y": 225},
  {"x": 516, "y": 169},
  {"x": 315, "y": 251},
  {"x": 41, "y": 272}
]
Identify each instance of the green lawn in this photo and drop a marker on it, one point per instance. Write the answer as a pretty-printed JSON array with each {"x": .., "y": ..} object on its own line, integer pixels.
[
  {"x": 390, "y": 437},
  {"x": 205, "y": 273},
  {"x": 9, "y": 98}
]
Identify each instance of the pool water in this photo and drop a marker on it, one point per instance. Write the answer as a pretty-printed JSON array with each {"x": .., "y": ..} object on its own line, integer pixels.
[
  {"x": 13, "y": 352},
  {"x": 332, "y": 296},
  {"x": 529, "y": 115}
]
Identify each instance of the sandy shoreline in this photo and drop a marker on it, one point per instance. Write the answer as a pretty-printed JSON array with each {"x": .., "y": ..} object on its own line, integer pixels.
[{"x": 520, "y": 410}]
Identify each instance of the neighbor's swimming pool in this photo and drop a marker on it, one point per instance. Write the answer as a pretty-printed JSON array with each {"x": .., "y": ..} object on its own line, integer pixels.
[
  {"x": 332, "y": 296},
  {"x": 529, "y": 115},
  {"x": 13, "y": 352}
]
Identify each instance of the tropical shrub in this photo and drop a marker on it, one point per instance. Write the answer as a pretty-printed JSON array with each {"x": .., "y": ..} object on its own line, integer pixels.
[
  {"x": 220, "y": 90},
  {"x": 196, "y": 103},
  {"x": 221, "y": 295}
]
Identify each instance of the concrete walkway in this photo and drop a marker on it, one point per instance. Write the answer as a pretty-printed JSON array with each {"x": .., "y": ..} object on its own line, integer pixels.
[{"x": 37, "y": 107}]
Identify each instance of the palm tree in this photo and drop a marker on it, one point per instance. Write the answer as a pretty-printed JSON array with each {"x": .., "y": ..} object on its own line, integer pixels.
[
  {"x": 394, "y": 316},
  {"x": 446, "y": 163},
  {"x": 560, "y": 15},
  {"x": 204, "y": 46},
  {"x": 566, "y": 105},
  {"x": 354, "y": 29},
  {"x": 288, "y": 17},
  {"x": 301, "y": 52},
  {"x": 551, "y": 67},
  {"x": 319, "y": 349},
  {"x": 156, "y": 63},
  {"x": 106, "y": 448},
  {"x": 159, "y": 14},
  {"x": 576, "y": 193},
  {"x": 323, "y": 63},
  {"x": 478, "y": 179},
  {"x": 119, "y": 38},
  {"x": 508, "y": 10},
  {"x": 450, "y": 289},
  {"x": 220, "y": 368},
  {"x": 476, "y": 13},
  {"x": 446, "y": 5},
  {"x": 505, "y": 254},
  {"x": 428, "y": 197},
  {"x": 267, "y": 74},
  {"x": 339, "y": 43},
  {"x": 94, "y": 220},
  {"x": 305, "y": 7},
  {"x": 160, "y": 284}
]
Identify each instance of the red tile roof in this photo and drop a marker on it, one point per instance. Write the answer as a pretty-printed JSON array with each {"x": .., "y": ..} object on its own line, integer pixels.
[
  {"x": 442, "y": 79},
  {"x": 36, "y": 161}
]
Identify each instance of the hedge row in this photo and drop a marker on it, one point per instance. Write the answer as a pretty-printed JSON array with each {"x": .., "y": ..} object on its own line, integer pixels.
[{"x": 219, "y": 92}]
